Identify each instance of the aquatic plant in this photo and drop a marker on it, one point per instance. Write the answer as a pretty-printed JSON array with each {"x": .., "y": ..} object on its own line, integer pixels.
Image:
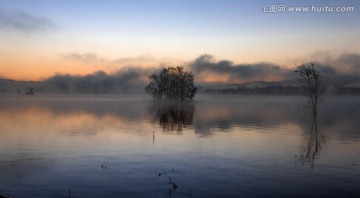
[
  {"x": 173, "y": 186},
  {"x": 105, "y": 165}
]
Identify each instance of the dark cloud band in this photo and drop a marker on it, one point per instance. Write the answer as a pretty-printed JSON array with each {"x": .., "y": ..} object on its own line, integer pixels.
[{"x": 133, "y": 79}]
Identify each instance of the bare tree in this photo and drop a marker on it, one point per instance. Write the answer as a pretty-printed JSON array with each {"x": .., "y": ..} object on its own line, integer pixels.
[
  {"x": 313, "y": 84},
  {"x": 172, "y": 83}
]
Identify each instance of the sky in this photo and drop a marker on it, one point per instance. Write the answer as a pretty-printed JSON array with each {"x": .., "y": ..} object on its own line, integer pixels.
[{"x": 41, "y": 38}]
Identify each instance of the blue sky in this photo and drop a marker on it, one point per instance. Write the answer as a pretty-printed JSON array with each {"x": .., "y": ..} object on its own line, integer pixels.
[{"x": 172, "y": 31}]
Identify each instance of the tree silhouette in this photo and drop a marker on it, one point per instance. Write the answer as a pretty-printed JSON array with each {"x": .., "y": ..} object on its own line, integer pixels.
[
  {"x": 313, "y": 84},
  {"x": 172, "y": 83}
]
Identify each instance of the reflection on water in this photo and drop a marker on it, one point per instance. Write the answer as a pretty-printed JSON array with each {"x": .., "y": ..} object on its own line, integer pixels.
[
  {"x": 225, "y": 148},
  {"x": 313, "y": 142},
  {"x": 173, "y": 116}
]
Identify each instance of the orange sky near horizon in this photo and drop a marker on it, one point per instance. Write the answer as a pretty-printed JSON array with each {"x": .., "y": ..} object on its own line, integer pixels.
[
  {"x": 38, "y": 64},
  {"x": 36, "y": 67}
]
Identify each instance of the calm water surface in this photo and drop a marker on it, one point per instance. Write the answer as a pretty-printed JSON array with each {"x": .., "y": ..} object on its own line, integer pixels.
[{"x": 211, "y": 147}]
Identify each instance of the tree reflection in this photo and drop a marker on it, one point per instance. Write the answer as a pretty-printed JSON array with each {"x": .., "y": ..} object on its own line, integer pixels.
[
  {"x": 313, "y": 143},
  {"x": 173, "y": 116}
]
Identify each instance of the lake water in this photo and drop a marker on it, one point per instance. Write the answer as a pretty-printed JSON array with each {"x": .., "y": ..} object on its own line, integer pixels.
[{"x": 239, "y": 146}]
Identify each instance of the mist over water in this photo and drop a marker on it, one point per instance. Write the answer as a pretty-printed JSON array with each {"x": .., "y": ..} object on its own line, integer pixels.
[{"x": 216, "y": 146}]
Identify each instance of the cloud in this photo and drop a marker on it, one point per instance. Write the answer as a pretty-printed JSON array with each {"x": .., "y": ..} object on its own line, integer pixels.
[
  {"x": 135, "y": 60},
  {"x": 132, "y": 79},
  {"x": 112, "y": 64},
  {"x": 336, "y": 63},
  {"x": 327, "y": 70},
  {"x": 127, "y": 80},
  {"x": 22, "y": 21},
  {"x": 348, "y": 63},
  {"x": 207, "y": 67},
  {"x": 85, "y": 57},
  {"x": 328, "y": 63}
]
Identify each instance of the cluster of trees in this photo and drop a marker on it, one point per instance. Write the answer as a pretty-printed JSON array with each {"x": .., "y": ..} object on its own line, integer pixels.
[{"x": 173, "y": 83}]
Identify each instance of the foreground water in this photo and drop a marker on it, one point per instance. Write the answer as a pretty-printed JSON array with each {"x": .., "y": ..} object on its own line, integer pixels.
[{"x": 211, "y": 147}]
